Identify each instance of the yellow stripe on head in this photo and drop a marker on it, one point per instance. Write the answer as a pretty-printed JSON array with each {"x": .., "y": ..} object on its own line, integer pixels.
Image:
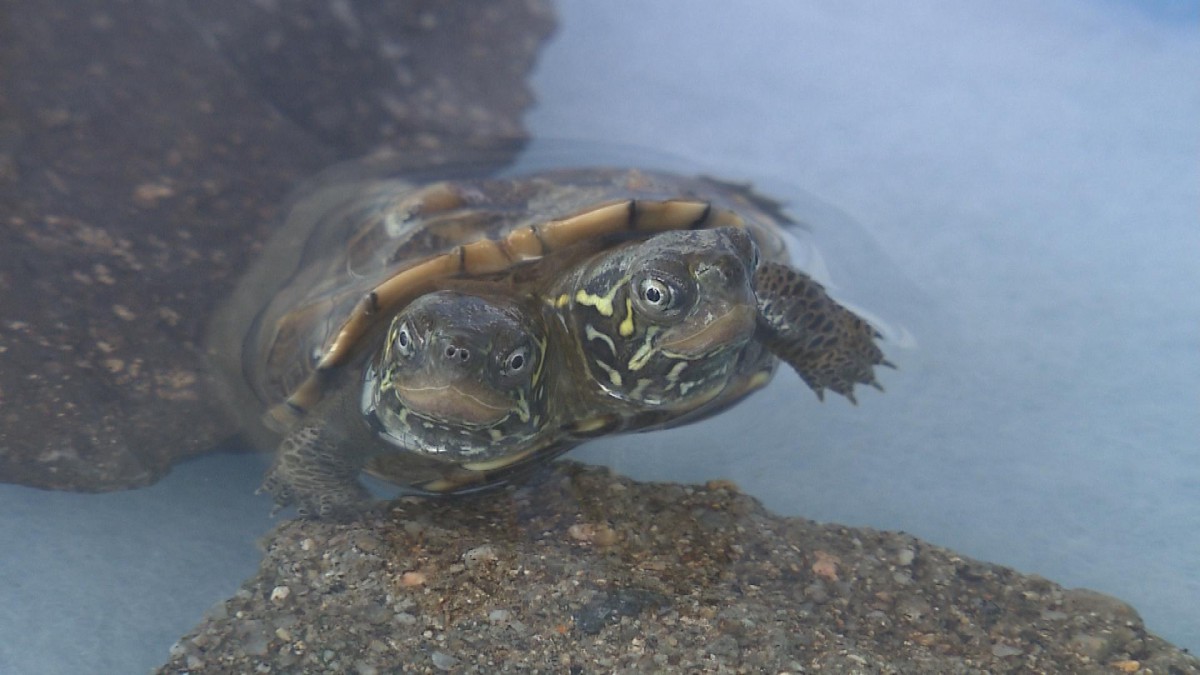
[
  {"x": 626, "y": 327},
  {"x": 602, "y": 303}
]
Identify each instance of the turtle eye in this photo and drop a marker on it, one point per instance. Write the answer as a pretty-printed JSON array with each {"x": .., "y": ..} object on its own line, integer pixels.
[
  {"x": 516, "y": 361},
  {"x": 656, "y": 294},
  {"x": 662, "y": 296},
  {"x": 404, "y": 341}
]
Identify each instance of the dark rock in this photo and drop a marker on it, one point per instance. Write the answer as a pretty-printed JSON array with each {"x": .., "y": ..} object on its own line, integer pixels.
[
  {"x": 353, "y": 74},
  {"x": 608, "y": 608},
  {"x": 144, "y": 146}
]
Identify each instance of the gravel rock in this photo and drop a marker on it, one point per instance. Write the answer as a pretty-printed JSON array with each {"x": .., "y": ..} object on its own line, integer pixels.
[{"x": 698, "y": 580}]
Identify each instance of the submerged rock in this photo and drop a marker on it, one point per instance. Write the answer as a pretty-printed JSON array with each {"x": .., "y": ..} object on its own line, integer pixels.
[
  {"x": 692, "y": 579},
  {"x": 143, "y": 148}
]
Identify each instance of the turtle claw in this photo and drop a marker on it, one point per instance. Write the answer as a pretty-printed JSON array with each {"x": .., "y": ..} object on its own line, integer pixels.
[{"x": 277, "y": 487}]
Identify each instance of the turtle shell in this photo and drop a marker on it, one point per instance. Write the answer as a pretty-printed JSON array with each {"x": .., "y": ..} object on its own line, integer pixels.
[{"x": 350, "y": 254}]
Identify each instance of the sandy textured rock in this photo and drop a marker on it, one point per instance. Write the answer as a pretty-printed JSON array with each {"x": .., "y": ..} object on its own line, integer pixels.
[
  {"x": 143, "y": 148},
  {"x": 580, "y": 571}
]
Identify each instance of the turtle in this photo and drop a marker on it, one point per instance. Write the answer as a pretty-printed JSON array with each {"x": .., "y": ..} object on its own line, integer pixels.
[{"x": 543, "y": 309}]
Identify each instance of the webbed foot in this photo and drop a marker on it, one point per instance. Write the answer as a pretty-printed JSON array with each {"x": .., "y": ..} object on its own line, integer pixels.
[{"x": 829, "y": 346}]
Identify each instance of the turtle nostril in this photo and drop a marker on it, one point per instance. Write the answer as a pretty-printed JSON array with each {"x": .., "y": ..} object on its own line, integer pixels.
[{"x": 461, "y": 353}]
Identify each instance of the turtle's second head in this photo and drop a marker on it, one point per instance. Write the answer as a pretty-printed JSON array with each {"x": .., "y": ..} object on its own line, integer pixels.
[
  {"x": 459, "y": 375},
  {"x": 662, "y": 322}
]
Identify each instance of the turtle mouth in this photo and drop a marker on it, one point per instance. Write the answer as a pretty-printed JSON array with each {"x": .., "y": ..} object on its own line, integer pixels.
[
  {"x": 731, "y": 329},
  {"x": 466, "y": 403}
]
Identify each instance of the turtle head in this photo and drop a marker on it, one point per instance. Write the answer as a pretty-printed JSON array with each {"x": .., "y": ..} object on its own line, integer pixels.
[
  {"x": 662, "y": 322},
  {"x": 459, "y": 375}
]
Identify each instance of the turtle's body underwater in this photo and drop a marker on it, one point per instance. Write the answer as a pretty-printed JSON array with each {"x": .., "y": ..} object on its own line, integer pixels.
[{"x": 446, "y": 337}]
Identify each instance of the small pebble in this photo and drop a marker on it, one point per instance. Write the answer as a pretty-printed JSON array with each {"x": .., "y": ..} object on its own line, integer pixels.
[
  {"x": 1094, "y": 647},
  {"x": 600, "y": 534},
  {"x": 443, "y": 661},
  {"x": 1002, "y": 650},
  {"x": 605, "y": 536},
  {"x": 147, "y": 195},
  {"x": 377, "y": 614},
  {"x": 722, "y": 484},
  {"x": 480, "y": 555},
  {"x": 582, "y": 532},
  {"x": 280, "y": 593},
  {"x": 725, "y": 645},
  {"x": 410, "y": 579},
  {"x": 825, "y": 566},
  {"x": 255, "y": 644},
  {"x": 366, "y": 543}
]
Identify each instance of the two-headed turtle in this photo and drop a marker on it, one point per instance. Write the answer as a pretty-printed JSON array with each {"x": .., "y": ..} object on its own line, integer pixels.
[{"x": 445, "y": 337}]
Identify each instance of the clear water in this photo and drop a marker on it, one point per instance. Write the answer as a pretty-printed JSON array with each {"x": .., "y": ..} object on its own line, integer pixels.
[
  {"x": 107, "y": 583},
  {"x": 1025, "y": 179}
]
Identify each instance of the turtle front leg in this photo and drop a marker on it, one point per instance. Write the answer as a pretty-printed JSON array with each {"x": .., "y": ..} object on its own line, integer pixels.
[
  {"x": 316, "y": 474},
  {"x": 829, "y": 346}
]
